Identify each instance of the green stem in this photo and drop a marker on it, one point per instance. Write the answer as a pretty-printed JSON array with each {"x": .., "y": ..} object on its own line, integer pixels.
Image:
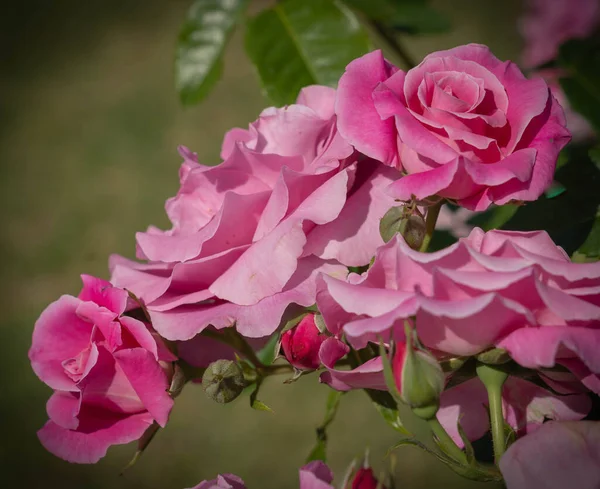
[
  {"x": 267, "y": 370},
  {"x": 432, "y": 215},
  {"x": 390, "y": 38},
  {"x": 446, "y": 441},
  {"x": 493, "y": 379}
]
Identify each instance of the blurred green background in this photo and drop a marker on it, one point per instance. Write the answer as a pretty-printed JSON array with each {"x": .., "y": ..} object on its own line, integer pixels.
[{"x": 89, "y": 127}]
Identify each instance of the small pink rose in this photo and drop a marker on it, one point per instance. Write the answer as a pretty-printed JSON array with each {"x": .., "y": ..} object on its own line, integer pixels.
[
  {"x": 301, "y": 344},
  {"x": 364, "y": 478},
  {"x": 108, "y": 374},
  {"x": 462, "y": 125}
]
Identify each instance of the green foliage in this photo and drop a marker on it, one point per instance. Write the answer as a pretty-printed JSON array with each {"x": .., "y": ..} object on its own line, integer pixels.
[
  {"x": 297, "y": 43},
  {"x": 202, "y": 40},
  {"x": 580, "y": 59},
  {"x": 411, "y": 16}
]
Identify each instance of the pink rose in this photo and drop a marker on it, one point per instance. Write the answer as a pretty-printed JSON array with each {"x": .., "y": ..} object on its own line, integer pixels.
[
  {"x": 301, "y": 344},
  {"x": 106, "y": 370},
  {"x": 549, "y": 23},
  {"x": 556, "y": 456},
  {"x": 512, "y": 290},
  {"x": 462, "y": 125},
  {"x": 250, "y": 235}
]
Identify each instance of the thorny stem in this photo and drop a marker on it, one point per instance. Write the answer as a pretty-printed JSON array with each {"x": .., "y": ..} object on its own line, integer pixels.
[
  {"x": 446, "y": 441},
  {"x": 432, "y": 215}
]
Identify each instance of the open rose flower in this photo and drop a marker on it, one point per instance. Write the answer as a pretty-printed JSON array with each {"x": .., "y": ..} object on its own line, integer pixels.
[
  {"x": 249, "y": 236},
  {"x": 556, "y": 456},
  {"x": 549, "y": 23},
  {"x": 513, "y": 290},
  {"x": 109, "y": 376},
  {"x": 462, "y": 125}
]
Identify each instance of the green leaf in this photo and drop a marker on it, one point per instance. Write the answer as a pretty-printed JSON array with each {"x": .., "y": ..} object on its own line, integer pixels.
[
  {"x": 303, "y": 42},
  {"x": 569, "y": 217},
  {"x": 319, "y": 451},
  {"x": 255, "y": 403},
  {"x": 200, "y": 46},
  {"x": 268, "y": 352},
  {"x": 580, "y": 59},
  {"x": 392, "y": 418},
  {"x": 590, "y": 249},
  {"x": 391, "y": 223},
  {"x": 411, "y": 16}
]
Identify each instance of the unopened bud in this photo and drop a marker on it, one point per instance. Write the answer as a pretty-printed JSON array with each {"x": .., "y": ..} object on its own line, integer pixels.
[
  {"x": 223, "y": 381},
  {"x": 414, "y": 231},
  {"x": 365, "y": 479},
  {"x": 419, "y": 379},
  {"x": 301, "y": 344}
]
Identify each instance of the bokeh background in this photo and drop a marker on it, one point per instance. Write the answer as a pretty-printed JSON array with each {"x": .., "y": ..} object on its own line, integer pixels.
[{"x": 89, "y": 126}]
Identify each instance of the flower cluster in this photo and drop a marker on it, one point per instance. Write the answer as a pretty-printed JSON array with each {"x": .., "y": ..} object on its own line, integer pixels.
[{"x": 281, "y": 240}]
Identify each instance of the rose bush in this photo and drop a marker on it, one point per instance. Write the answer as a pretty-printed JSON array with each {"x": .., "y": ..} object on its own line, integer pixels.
[
  {"x": 462, "y": 125},
  {"x": 110, "y": 376},
  {"x": 249, "y": 236}
]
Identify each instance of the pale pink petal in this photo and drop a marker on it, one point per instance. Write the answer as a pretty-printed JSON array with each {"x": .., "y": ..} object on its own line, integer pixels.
[
  {"x": 319, "y": 98},
  {"x": 316, "y": 475},
  {"x": 555, "y": 456},
  {"x": 103, "y": 293}
]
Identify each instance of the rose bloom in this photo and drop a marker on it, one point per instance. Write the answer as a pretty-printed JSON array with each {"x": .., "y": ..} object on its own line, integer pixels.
[
  {"x": 462, "y": 125},
  {"x": 249, "y": 237},
  {"x": 513, "y": 290},
  {"x": 109, "y": 375},
  {"x": 549, "y": 23}
]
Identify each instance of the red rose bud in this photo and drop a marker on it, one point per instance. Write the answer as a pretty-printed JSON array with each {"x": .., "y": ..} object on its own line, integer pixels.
[
  {"x": 419, "y": 379},
  {"x": 365, "y": 479},
  {"x": 301, "y": 344}
]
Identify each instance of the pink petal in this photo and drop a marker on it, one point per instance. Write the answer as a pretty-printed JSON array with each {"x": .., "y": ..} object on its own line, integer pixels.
[
  {"x": 358, "y": 121},
  {"x": 103, "y": 293},
  {"x": 149, "y": 381},
  {"x": 91, "y": 440},
  {"x": 540, "y": 347},
  {"x": 59, "y": 334},
  {"x": 319, "y": 98},
  {"x": 555, "y": 456},
  {"x": 369, "y": 375},
  {"x": 316, "y": 475},
  {"x": 63, "y": 408},
  {"x": 354, "y": 236}
]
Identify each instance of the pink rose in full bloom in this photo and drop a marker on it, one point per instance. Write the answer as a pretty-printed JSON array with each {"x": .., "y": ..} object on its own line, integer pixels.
[
  {"x": 249, "y": 237},
  {"x": 108, "y": 373},
  {"x": 462, "y": 125},
  {"x": 513, "y": 290},
  {"x": 549, "y": 23},
  {"x": 556, "y": 456},
  {"x": 301, "y": 344}
]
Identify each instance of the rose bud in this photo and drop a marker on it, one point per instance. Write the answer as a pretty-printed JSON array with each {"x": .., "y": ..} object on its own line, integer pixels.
[
  {"x": 419, "y": 379},
  {"x": 301, "y": 344},
  {"x": 365, "y": 479},
  {"x": 223, "y": 381}
]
